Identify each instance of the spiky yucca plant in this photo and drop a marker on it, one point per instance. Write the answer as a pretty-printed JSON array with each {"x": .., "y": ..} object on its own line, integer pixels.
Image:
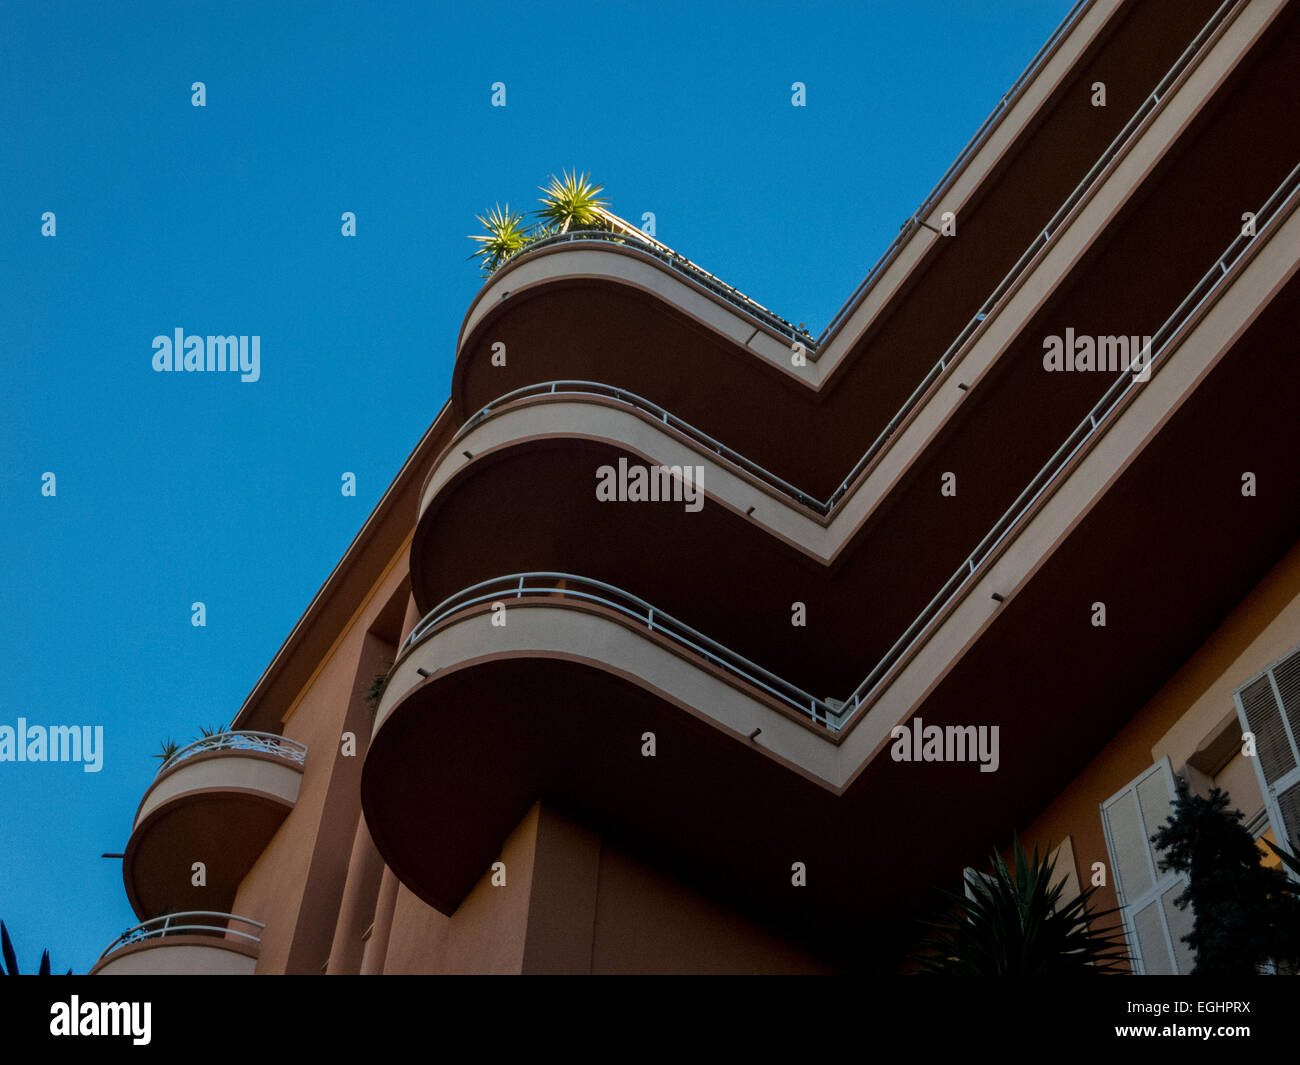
[
  {"x": 571, "y": 201},
  {"x": 169, "y": 748},
  {"x": 1015, "y": 926},
  {"x": 506, "y": 234}
]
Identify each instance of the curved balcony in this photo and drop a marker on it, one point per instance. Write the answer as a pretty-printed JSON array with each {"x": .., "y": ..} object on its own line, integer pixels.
[
  {"x": 217, "y": 801},
  {"x": 621, "y": 314},
  {"x": 573, "y": 681},
  {"x": 554, "y": 704},
  {"x": 191, "y": 943},
  {"x": 508, "y": 464}
]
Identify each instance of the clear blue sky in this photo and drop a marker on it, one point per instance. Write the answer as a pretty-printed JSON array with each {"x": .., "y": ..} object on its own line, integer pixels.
[{"x": 176, "y": 488}]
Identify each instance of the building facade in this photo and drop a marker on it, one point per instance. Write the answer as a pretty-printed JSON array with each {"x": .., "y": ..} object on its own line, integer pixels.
[{"x": 685, "y": 641}]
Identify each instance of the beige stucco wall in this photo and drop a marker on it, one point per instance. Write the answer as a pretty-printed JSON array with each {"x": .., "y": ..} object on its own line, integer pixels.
[
  {"x": 272, "y": 891},
  {"x": 574, "y": 904},
  {"x": 486, "y": 934}
]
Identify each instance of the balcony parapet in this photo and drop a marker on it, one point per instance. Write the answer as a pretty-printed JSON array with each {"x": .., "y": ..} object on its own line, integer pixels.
[
  {"x": 193, "y": 942},
  {"x": 217, "y": 801}
]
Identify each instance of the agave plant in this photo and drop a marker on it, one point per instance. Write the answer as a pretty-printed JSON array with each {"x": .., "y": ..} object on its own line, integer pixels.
[
  {"x": 506, "y": 234},
  {"x": 571, "y": 201},
  {"x": 169, "y": 748},
  {"x": 1007, "y": 925},
  {"x": 10, "y": 964},
  {"x": 206, "y": 732}
]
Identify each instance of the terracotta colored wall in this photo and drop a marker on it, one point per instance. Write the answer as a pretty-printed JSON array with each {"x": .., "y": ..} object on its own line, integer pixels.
[
  {"x": 572, "y": 904},
  {"x": 1263, "y": 627},
  {"x": 648, "y": 923},
  {"x": 272, "y": 891},
  {"x": 485, "y": 935}
]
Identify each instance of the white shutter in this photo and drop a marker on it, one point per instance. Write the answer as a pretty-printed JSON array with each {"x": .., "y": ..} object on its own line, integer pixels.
[
  {"x": 1153, "y": 924},
  {"x": 1269, "y": 707}
]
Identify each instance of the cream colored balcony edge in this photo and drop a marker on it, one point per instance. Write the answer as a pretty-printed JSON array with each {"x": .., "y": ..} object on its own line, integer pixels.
[
  {"x": 572, "y": 631},
  {"x": 182, "y": 956},
  {"x": 863, "y": 306},
  {"x": 227, "y": 769},
  {"x": 194, "y": 943},
  {"x": 575, "y": 631},
  {"x": 1119, "y": 179},
  {"x": 808, "y": 532},
  {"x": 1202, "y": 343}
]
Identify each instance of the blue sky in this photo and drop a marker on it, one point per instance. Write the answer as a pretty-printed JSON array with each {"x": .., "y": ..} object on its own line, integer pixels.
[{"x": 176, "y": 488}]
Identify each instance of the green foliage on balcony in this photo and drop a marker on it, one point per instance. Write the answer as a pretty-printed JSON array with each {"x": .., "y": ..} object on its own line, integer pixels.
[{"x": 569, "y": 203}]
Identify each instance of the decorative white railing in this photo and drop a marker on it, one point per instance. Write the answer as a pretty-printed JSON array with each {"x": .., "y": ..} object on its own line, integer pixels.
[
  {"x": 189, "y": 922},
  {"x": 267, "y": 742}
]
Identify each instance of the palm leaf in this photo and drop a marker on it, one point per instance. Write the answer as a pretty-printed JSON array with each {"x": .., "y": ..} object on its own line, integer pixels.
[
  {"x": 571, "y": 201},
  {"x": 506, "y": 234},
  {"x": 1014, "y": 924}
]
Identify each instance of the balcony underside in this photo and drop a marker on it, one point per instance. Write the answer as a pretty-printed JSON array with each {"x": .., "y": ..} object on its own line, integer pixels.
[
  {"x": 1170, "y": 547},
  {"x": 588, "y": 326},
  {"x": 692, "y": 564},
  {"x": 220, "y": 809}
]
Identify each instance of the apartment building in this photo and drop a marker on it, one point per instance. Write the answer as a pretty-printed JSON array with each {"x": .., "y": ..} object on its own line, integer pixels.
[{"x": 526, "y": 726}]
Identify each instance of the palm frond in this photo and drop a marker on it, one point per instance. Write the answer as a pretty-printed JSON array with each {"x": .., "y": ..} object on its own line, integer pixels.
[
  {"x": 1013, "y": 924},
  {"x": 505, "y": 235},
  {"x": 571, "y": 201}
]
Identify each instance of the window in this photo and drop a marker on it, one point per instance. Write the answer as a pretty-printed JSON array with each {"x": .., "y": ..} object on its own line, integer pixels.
[
  {"x": 1268, "y": 707},
  {"x": 1153, "y": 924}
]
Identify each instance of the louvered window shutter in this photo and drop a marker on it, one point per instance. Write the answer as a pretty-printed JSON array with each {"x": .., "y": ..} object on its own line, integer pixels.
[
  {"x": 1268, "y": 706},
  {"x": 1153, "y": 924}
]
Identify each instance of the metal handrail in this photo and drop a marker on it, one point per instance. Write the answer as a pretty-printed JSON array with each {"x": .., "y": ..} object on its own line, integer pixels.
[
  {"x": 1089, "y": 427},
  {"x": 585, "y": 588},
  {"x": 269, "y": 742},
  {"x": 1010, "y": 97},
  {"x": 166, "y": 925},
  {"x": 675, "y": 260},
  {"x": 1044, "y": 237},
  {"x": 631, "y": 399},
  {"x": 821, "y": 710}
]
